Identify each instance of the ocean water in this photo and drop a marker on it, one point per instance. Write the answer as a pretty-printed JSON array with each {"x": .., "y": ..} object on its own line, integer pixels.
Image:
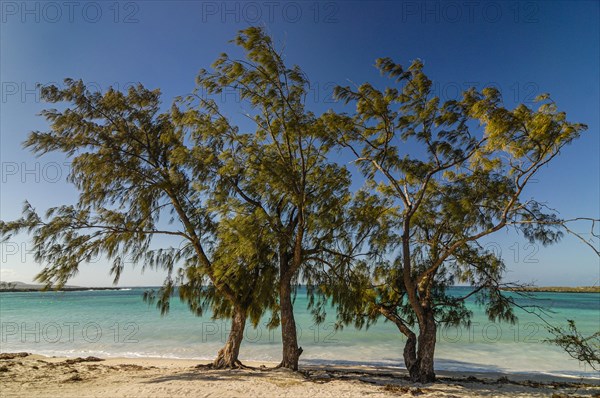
[{"x": 117, "y": 323}]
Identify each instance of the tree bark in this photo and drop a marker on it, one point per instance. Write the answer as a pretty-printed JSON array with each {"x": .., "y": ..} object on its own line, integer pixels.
[
  {"x": 422, "y": 371},
  {"x": 289, "y": 339},
  {"x": 227, "y": 358},
  {"x": 418, "y": 352},
  {"x": 410, "y": 348},
  {"x": 410, "y": 354}
]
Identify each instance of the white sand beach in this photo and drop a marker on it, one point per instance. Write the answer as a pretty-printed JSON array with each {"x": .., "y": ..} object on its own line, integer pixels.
[{"x": 24, "y": 375}]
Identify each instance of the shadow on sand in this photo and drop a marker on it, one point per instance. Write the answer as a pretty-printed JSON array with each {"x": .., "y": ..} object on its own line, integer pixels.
[{"x": 395, "y": 380}]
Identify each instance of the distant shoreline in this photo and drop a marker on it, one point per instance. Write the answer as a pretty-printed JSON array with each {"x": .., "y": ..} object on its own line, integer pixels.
[
  {"x": 66, "y": 289},
  {"x": 532, "y": 289},
  {"x": 16, "y": 287},
  {"x": 555, "y": 289}
]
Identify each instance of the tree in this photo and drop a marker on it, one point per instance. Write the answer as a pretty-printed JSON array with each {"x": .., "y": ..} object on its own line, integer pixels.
[
  {"x": 451, "y": 184},
  {"x": 141, "y": 174},
  {"x": 284, "y": 172}
]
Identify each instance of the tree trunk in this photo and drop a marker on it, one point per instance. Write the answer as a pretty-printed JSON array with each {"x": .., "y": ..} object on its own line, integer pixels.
[
  {"x": 422, "y": 369},
  {"x": 410, "y": 354},
  {"x": 410, "y": 348},
  {"x": 291, "y": 351},
  {"x": 227, "y": 358}
]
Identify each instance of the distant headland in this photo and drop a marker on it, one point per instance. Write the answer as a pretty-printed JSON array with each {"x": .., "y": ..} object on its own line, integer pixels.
[
  {"x": 26, "y": 287},
  {"x": 555, "y": 289}
]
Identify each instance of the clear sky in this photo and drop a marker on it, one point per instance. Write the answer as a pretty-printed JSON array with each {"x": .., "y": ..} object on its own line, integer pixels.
[{"x": 523, "y": 48}]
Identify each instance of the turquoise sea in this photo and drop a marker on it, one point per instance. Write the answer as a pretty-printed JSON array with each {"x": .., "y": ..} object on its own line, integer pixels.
[{"x": 117, "y": 323}]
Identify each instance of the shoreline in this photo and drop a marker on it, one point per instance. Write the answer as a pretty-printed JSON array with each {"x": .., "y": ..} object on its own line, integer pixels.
[
  {"x": 37, "y": 375},
  {"x": 71, "y": 289},
  {"x": 553, "y": 289},
  {"x": 532, "y": 289}
]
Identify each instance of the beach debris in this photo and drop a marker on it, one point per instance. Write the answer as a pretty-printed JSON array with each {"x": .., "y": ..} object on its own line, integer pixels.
[
  {"x": 3, "y": 368},
  {"x": 414, "y": 391},
  {"x": 502, "y": 380},
  {"x": 320, "y": 377},
  {"x": 13, "y": 355},
  {"x": 395, "y": 388},
  {"x": 79, "y": 360},
  {"x": 75, "y": 377}
]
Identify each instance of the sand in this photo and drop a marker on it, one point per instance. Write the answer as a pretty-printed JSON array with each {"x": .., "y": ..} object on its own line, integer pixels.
[{"x": 39, "y": 376}]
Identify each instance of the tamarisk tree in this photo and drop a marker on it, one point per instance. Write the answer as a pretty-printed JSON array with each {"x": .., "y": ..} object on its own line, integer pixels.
[
  {"x": 455, "y": 172},
  {"x": 141, "y": 174},
  {"x": 283, "y": 172}
]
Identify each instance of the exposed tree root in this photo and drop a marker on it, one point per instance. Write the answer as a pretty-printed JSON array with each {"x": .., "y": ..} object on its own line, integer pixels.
[{"x": 222, "y": 365}]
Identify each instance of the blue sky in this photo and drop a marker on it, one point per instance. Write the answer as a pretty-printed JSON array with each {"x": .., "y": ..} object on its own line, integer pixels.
[{"x": 523, "y": 48}]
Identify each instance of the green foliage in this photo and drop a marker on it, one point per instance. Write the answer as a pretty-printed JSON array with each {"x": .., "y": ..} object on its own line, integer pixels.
[
  {"x": 454, "y": 171},
  {"x": 585, "y": 349},
  {"x": 282, "y": 171},
  {"x": 140, "y": 174}
]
